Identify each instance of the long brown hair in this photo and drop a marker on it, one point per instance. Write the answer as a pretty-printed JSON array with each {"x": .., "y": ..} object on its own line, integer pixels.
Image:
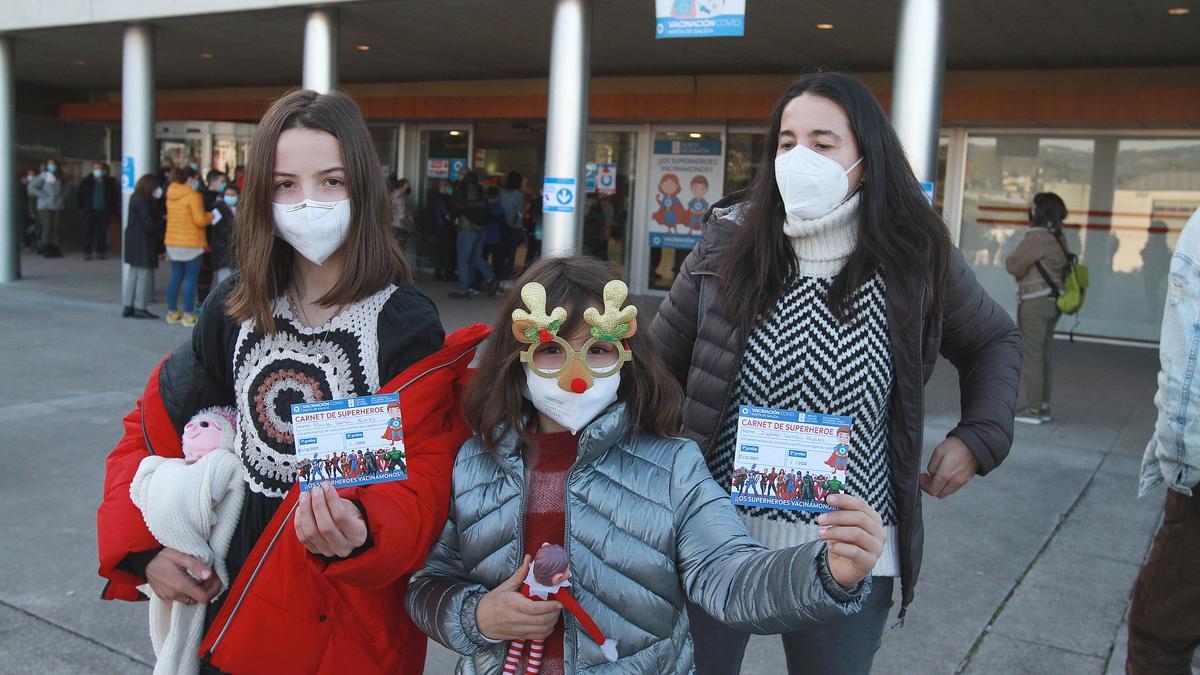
[
  {"x": 374, "y": 258},
  {"x": 494, "y": 399}
]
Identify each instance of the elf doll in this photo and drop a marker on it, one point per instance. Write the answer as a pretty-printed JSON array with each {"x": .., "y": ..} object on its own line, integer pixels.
[{"x": 547, "y": 580}]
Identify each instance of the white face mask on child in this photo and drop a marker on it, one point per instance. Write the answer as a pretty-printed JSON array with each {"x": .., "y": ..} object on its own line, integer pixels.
[{"x": 573, "y": 411}]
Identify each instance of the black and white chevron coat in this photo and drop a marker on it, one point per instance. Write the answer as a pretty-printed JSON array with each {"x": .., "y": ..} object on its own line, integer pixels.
[{"x": 703, "y": 350}]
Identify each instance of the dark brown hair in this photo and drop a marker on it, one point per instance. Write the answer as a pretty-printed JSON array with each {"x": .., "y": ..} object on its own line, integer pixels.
[
  {"x": 550, "y": 561},
  {"x": 182, "y": 174},
  {"x": 494, "y": 399},
  {"x": 374, "y": 258},
  {"x": 145, "y": 186}
]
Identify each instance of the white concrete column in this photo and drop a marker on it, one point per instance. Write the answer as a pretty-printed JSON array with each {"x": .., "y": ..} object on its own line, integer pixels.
[
  {"x": 917, "y": 83},
  {"x": 566, "y": 126},
  {"x": 139, "y": 155},
  {"x": 320, "y": 50},
  {"x": 10, "y": 242}
]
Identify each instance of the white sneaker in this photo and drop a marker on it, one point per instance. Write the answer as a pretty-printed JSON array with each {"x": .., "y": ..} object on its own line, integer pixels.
[{"x": 1028, "y": 416}]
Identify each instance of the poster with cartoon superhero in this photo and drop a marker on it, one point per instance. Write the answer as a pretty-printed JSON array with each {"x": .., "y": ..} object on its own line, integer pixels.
[{"x": 686, "y": 176}]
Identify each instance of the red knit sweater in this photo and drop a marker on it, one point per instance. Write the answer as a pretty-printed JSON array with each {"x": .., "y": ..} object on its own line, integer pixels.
[{"x": 546, "y": 467}]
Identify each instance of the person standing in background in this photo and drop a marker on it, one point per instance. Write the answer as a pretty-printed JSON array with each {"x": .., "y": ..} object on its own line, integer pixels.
[
  {"x": 1164, "y": 618},
  {"x": 444, "y": 230},
  {"x": 97, "y": 201},
  {"x": 27, "y": 207},
  {"x": 470, "y": 210},
  {"x": 402, "y": 220},
  {"x": 142, "y": 236},
  {"x": 221, "y": 234},
  {"x": 50, "y": 189},
  {"x": 513, "y": 202},
  {"x": 494, "y": 231},
  {"x": 185, "y": 241},
  {"x": 1040, "y": 266}
]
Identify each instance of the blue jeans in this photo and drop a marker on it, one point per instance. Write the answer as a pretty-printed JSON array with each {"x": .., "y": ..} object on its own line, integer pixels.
[
  {"x": 185, "y": 273},
  {"x": 470, "y": 258}
]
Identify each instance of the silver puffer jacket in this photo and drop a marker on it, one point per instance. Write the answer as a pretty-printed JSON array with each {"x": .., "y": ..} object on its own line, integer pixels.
[{"x": 647, "y": 529}]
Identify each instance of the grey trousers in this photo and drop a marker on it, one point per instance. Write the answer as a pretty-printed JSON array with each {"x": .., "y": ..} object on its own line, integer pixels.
[
  {"x": 48, "y": 220},
  {"x": 1037, "y": 318},
  {"x": 136, "y": 290},
  {"x": 846, "y": 646}
]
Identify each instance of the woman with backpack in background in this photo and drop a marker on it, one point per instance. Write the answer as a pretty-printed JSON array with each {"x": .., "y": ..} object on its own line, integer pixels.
[{"x": 1039, "y": 265}]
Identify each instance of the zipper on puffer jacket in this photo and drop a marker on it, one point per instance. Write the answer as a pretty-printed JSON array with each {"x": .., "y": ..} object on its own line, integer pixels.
[
  {"x": 569, "y": 627},
  {"x": 283, "y": 525},
  {"x": 146, "y": 434}
]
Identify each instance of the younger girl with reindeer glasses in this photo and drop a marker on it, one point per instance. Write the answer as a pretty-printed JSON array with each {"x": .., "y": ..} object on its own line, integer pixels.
[{"x": 575, "y": 416}]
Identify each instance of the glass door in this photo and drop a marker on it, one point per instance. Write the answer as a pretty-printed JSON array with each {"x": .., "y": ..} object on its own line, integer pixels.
[
  {"x": 610, "y": 177},
  {"x": 444, "y": 156}
]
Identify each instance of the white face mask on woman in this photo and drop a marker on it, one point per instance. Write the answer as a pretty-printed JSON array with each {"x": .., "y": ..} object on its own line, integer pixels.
[
  {"x": 315, "y": 229},
  {"x": 573, "y": 411},
  {"x": 810, "y": 183}
]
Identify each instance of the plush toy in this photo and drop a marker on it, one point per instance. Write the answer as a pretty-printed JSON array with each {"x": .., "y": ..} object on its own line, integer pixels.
[
  {"x": 190, "y": 505},
  {"x": 547, "y": 580}
]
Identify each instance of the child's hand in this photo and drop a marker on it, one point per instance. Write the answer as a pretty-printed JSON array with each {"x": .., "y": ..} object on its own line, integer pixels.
[
  {"x": 327, "y": 524},
  {"x": 854, "y": 538},
  {"x": 506, "y": 614}
]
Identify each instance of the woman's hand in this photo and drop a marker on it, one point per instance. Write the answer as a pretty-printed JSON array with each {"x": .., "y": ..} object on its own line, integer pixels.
[
  {"x": 952, "y": 466},
  {"x": 505, "y": 614},
  {"x": 854, "y": 539},
  {"x": 327, "y": 524},
  {"x": 180, "y": 577}
]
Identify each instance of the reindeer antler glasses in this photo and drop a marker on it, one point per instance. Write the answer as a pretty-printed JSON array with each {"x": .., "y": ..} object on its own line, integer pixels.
[{"x": 550, "y": 356}]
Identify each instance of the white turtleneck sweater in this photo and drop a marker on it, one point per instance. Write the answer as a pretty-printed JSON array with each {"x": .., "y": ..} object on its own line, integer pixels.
[{"x": 823, "y": 244}]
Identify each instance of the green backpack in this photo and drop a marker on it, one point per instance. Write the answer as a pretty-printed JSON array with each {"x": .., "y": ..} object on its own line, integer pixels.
[{"x": 1070, "y": 297}]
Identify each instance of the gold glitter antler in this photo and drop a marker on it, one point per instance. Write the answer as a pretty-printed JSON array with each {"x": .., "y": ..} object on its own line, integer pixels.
[
  {"x": 536, "y": 325},
  {"x": 616, "y": 323}
]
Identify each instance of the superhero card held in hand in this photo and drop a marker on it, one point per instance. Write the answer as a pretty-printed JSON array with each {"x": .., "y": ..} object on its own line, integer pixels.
[
  {"x": 349, "y": 441},
  {"x": 789, "y": 460}
]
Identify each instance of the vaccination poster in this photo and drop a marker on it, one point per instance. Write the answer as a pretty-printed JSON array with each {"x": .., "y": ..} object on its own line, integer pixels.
[
  {"x": 349, "y": 441},
  {"x": 686, "y": 177},
  {"x": 789, "y": 460},
  {"x": 699, "y": 18}
]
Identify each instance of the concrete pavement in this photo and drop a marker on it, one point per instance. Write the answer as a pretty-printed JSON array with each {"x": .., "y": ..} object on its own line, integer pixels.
[{"x": 1026, "y": 571}]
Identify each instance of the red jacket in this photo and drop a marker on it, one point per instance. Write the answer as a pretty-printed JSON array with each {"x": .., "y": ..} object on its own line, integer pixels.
[{"x": 288, "y": 610}]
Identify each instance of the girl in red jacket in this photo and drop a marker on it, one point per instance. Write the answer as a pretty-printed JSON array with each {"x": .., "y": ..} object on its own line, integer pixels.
[{"x": 323, "y": 308}]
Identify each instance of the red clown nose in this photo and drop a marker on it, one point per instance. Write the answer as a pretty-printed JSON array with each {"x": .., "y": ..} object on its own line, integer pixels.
[{"x": 578, "y": 385}]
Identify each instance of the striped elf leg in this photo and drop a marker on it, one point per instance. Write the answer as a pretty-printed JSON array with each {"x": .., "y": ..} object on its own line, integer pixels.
[
  {"x": 513, "y": 660},
  {"x": 534, "y": 664}
]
